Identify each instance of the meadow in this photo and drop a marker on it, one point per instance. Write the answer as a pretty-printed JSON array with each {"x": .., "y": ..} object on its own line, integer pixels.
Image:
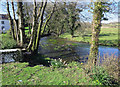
[{"x": 107, "y": 37}]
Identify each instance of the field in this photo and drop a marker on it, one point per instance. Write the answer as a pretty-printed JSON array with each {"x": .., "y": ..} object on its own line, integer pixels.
[{"x": 108, "y": 37}]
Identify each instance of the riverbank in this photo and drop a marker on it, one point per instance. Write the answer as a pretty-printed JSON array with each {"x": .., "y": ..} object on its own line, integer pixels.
[
  {"x": 22, "y": 74},
  {"x": 107, "y": 37},
  {"x": 73, "y": 73},
  {"x": 36, "y": 71}
]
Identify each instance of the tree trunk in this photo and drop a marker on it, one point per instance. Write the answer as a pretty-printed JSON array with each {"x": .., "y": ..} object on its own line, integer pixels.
[
  {"x": 72, "y": 32},
  {"x": 39, "y": 28},
  {"x": 61, "y": 31},
  {"x": 32, "y": 39},
  {"x": 34, "y": 29},
  {"x": 21, "y": 23},
  {"x": 97, "y": 16},
  {"x": 11, "y": 21},
  {"x": 29, "y": 28},
  {"x": 15, "y": 24}
]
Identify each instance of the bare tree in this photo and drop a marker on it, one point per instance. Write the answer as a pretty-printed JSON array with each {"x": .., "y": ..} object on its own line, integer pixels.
[
  {"x": 11, "y": 21},
  {"x": 15, "y": 23},
  {"x": 38, "y": 24},
  {"x": 21, "y": 23}
]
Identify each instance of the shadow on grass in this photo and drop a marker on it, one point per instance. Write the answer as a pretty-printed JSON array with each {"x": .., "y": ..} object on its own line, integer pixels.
[
  {"x": 108, "y": 34},
  {"x": 109, "y": 42},
  {"x": 34, "y": 60}
]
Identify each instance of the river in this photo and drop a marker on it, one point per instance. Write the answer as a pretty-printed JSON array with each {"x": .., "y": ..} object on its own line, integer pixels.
[{"x": 70, "y": 51}]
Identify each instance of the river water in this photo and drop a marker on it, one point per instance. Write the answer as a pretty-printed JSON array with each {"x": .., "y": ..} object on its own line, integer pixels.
[{"x": 70, "y": 51}]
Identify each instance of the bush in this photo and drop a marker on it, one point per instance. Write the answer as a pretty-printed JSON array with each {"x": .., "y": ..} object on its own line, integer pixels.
[
  {"x": 8, "y": 42},
  {"x": 106, "y": 71},
  {"x": 57, "y": 63},
  {"x": 111, "y": 65},
  {"x": 100, "y": 75}
]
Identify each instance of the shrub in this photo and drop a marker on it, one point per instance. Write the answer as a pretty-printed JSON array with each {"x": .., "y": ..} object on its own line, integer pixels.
[
  {"x": 111, "y": 65},
  {"x": 57, "y": 63},
  {"x": 99, "y": 74},
  {"x": 7, "y": 42},
  {"x": 106, "y": 71}
]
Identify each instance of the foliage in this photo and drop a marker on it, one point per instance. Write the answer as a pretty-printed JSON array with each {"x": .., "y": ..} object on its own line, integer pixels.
[
  {"x": 57, "y": 63},
  {"x": 106, "y": 71},
  {"x": 65, "y": 19},
  {"x": 100, "y": 75},
  {"x": 7, "y": 42},
  {"x": 111, "y": 65}
]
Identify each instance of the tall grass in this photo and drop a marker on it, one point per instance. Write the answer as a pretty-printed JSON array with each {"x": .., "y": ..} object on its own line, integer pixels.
[
  {"x": 110, "y": 64},
  {"x": 106, "y": 70}
]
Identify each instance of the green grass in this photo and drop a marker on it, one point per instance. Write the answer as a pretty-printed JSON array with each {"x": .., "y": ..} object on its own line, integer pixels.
[
  {"x": 7, "y": 42},
  {"x": 108, "y": 36},
  {"x": 22, "y": 74},
  {"x": 26, "y": 27}
]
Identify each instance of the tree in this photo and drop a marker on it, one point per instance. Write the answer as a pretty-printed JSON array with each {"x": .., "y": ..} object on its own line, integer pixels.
[
  {"x": 38, "y": 24},
  {"x": 73, "y": 17},
  {"x": 21, "y": 23},
  {"x": 66, "y": 18},
  {"x": 11, "y": 21},
  {"x": 57, "y": 22},
  {"x": 98, "y": 15},
  {"x": 17, "y": 31},
  {"x": 34, "y": 29},
  {"x": 15, "y": 24}
]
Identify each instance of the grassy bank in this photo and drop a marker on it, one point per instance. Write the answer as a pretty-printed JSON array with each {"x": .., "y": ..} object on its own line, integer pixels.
[
  {"x": 22, "y": 74},
  {"x": 108, "y": 36},
  {"x": 7, "y": 42},
  {"x": 74, "y": 73}
]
